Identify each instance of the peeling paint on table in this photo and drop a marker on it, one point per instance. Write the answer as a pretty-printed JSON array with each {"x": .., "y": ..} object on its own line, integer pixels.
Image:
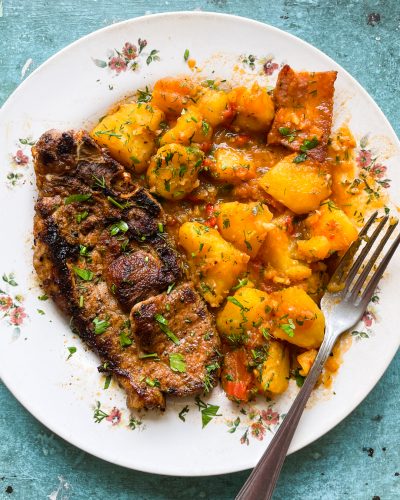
[{"x": 360, "y": 458}]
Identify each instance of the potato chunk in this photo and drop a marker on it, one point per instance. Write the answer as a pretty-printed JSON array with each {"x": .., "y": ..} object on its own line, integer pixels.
[
  {"x": 306, "y": 360},
  {"x": 299, "y": 186},
  {"x": 171, "y": 95},
  {"x": 332, "y": 223},
  {"x": 244, "y": 224},
  {"x": 276, "y": 253},
  {"x": 303, "y": 118},
  {"x": 215, "y": 262},
  {"x": 298, "y": 319},
  {"x": 274, "y": 376},
  {"x": 190, "y": 127},
  {"x": 255, "y": 108},
  {"x": 232, "y": 165},
  {"x": 247, "y": 310},
  {"x": 314, "y": 249},
  {"x": 173, "y": 171},
  {"x": 129, "y": 134},
  {"x": 212, "y": 105}
]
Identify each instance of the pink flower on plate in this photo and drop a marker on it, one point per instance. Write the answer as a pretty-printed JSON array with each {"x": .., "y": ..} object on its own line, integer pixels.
[
  {"x": 17, "y": 316},
  {"x": 117, "y": 63},
  {"x": 258, "y": 430},
  {"x": 5, "y": 302},
  {"x": 270, "y": 66},
  {"x": 129, "y": 50},
  {"x": 378, "y": 171},
  {"x": 20, "y": 157},
  {"x": 114, "y": 417},
  {"x": 364, "y": 158},
  {"x": 368, "y": 318},
  {"x": 270, "y": 417}
]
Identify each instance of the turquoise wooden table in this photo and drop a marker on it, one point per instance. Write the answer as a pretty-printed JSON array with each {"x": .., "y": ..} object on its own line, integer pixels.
[{"x": 360, "y": 458}]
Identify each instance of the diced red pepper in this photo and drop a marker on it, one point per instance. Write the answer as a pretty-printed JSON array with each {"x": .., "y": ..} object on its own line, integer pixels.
[{"x": 236, "y": 379}]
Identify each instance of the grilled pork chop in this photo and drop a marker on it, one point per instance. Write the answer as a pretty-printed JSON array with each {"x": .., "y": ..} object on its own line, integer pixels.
[{"x": 100, "y": 253}]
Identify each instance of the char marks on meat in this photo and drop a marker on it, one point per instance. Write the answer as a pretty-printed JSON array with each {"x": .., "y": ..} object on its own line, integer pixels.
[{"x": 100, "y": 254}]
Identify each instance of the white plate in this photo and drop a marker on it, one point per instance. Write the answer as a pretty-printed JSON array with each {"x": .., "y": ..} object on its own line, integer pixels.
[{"x": 72, "y": 90}]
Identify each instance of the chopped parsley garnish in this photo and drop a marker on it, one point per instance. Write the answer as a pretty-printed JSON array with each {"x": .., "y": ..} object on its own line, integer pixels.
[
  {"x": 177, "y": 362},
  {"x": 117, "y": 204},
  {"x": 84, "y": 274},
  {"x": 144, "y": 95},
  {"x": 289, "y": 134},
  {"x": 299, "y": 378},
  {"x": 170, "y": 288},
  {"x": 208, "y": 411},
  {"x": 163, "y": 324},
  {"x": 300, "y": 158},
  {"x": 83, "y": 250},
  {"x": 309, "y": 144},
  {"x": 118, "y": 227},
  {"x": 160, "y": 227},
  {"x": 152, "y": 382},
  {"x": 182, "y": 414},
  {"x": 205, "y": 127},
  {"x": 40, "y": 311},
  {"x": 235, "y": 301},
  {"x": 288, "y": 327},
  {"x": 99, "y": 181},
  {"x": 186, "y": 55},
  {"x": 241, "y": 283},
  {"x": 110, "y": 133},
  {"x": 151, "y": 355},
  {"x": 43, "y": 297},
  {"x": 99, "y": 415},
  {"x": 81, "y": 216},
  {"x": 71, "y": 350},
  {"x": 100, "y": 325},
  {"x": 124, "y": 339},
  {"x": 73, "y": 198},
  {"x": 107, "y": 382}
]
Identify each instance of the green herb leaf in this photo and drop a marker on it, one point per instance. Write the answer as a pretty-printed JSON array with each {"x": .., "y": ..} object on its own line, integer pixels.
[
  {"x": 182, "y": 414},
  {"x": 288, "y": 327},
  {"x": 100, "y": 325},
  {"x": 205, "y": 127},
  {"x": 152, "y": 383},
  {"x": 300, "y": 158},
  {"x": 43, "y": 297},
  {"x": 144, "y": 95},
  {"x": 152, "y": 355},
  {"x": 124, "y": 339},
  {"x": 235, "y": 301},
  {"x": 71, "y": 350},
  {"x": 309, "y": 144},
  {"x": 76, "y": 198},
  {"x": 170, "y": 288},
  {"x": 241, "y": 283},
  {"x": 177, "y": 362},
  {"x": 84, "y": 274},
  {"x": 163, "y": 324},
  {"x": 186, "y": 55},
  {"x": 107, "y": 382},
  {"x": 81, "y": 216},
  {"x": 117, "y": 227},
  {"x": 208, "y": 411}
]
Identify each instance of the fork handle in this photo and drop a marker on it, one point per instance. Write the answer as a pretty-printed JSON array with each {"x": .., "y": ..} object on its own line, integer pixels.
[{"x": 261, "y": 483}]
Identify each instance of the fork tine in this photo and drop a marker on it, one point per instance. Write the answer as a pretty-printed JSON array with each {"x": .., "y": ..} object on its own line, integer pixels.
[
  {"x": 363, "y": 276},
  {"x": 348, "y": 256},
  {"x": 364, "y": 252},
  {"x": 370, "y": 288}
]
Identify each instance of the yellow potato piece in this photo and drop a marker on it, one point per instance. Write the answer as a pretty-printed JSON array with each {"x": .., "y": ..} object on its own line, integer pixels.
[
  {"x": 306, "y": 360},
  {"x": 173, "y": 171},
  {"x": 245, "y": 225},
  {"x": 129, "y": 134},
  {"x": 249, "y": 309},
  {"x": 190, "y": 127},
  {"x": 255, "y": 108},
  {"x": 299, "y": 186},
  {"x": 298, "y": 319},
  {"x": 274, "y": 376},
  {"x": 212, "y": 105},
  {"x": 171, "y": 95},
  {"x": 215, "y": 262},
  {"x": 332, "y": 223},
  {"x": 316, "y": 248},
  {"x": 232, "y": 165},
  {"x": 276, "y": 253}
]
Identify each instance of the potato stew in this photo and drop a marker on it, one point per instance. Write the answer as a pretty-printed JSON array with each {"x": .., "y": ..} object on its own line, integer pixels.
[{"x": 261, "y": 200}]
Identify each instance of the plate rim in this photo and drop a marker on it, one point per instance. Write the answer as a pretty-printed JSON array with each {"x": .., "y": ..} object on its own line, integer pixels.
[{"x": 323, "y": 429}]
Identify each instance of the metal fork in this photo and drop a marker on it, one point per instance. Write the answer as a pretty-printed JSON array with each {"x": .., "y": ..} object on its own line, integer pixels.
[{"x": 343, "y": 305}]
